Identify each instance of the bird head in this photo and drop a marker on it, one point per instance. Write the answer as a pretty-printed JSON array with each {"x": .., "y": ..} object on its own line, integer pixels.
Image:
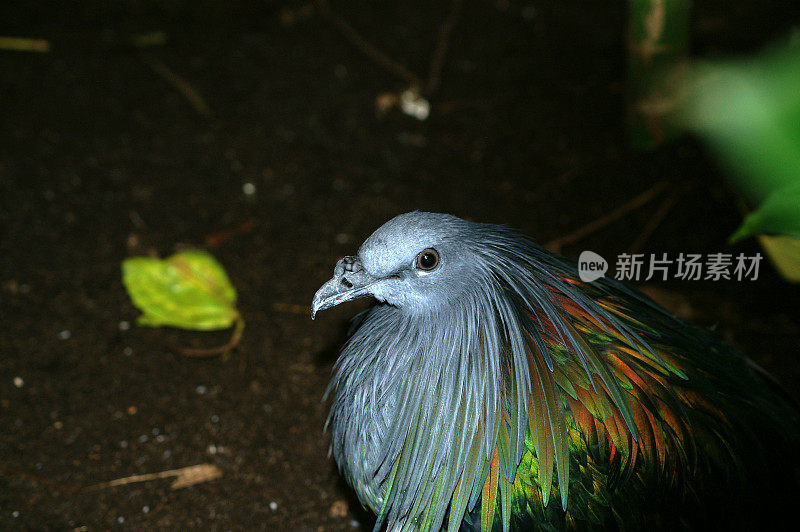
[{"x": 418, "y": 262}]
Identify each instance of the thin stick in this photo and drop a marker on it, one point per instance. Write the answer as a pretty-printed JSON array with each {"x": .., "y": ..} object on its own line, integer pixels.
[
  {"x": 442, "y": 43},
  {"x": 595, "y": 225},
  {"x": 357, "y": 40},
  {"x": 24, "y": 44},
  {"x": 179, "y": 84},
  {"x": 185, "y": 476},
  {"x": 653, "y": 223}
]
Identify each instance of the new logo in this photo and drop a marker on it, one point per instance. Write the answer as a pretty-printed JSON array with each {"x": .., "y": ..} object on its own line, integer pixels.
[{"x": 591, "y": 266}]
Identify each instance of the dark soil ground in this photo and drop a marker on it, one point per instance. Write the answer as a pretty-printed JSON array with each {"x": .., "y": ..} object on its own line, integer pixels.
[{"x": 101, "y": 159}]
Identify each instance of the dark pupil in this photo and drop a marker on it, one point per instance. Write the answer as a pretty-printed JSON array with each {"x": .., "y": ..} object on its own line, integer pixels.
[{"x": 428, "y": 260}]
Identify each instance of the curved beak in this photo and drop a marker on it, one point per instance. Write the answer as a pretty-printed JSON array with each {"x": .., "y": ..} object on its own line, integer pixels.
[{"x": 350, "y": 281}]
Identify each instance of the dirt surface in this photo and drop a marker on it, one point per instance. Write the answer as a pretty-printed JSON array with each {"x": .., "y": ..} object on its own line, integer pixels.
[{"x": 101, "y": 158}]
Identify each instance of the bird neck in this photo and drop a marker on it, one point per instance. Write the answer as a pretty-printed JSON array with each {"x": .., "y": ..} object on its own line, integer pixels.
[{"x": 406, "y": 381}]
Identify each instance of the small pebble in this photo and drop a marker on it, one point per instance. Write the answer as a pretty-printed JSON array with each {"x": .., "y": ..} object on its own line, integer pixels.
[
  {"x": 15, "y": 514},
  {"x": 120, "y": 519},
  {"x": 354, "y": 523},
  {"x": 18, "y": 382},
  {"x": 124, "y": 325},
  {"x": 249, "y": 189},
  {"x": 338, "y": 509},
  {"x": 128, "y": 351},
  {"x": 166, "y": 454},
  {"x": 201, "y": 390},
  {"x": 273, "y": 506},
  {"x": 160, "y": 438},
  {"x": 123, "y": 444},
  {"x": 342, "y": 238},
  {"x": 143, "y": 438},
  {"x": 64, "y": 335},
  {"x": 145, "y": 509}
]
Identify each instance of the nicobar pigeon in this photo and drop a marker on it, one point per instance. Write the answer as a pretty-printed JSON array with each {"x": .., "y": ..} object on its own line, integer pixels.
[{"x": 490, "y": 389}]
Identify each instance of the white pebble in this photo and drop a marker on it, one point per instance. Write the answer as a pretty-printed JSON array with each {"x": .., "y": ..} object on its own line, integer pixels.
[
  {"x": 412, "y": 104},
  {"x": 273, "y": 506},
  {"x": 249, "y": 189},
  {"x": 18, "y": 382},
  {"x": 15, "y": 514},
  {"x": 201, "y": 390},
  {"x": 145, "y": 509},
  {"x": 120, "y": 519},
  {"x": 124, "y": 325},
  {"x": 64, "y": 335}
]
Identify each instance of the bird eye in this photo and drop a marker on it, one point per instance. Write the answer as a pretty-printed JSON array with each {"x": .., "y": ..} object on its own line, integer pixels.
[{"x": 428, "y": 259}]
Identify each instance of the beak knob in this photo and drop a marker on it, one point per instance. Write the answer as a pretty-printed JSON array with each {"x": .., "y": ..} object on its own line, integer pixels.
[{"x": 350, "y": 281}]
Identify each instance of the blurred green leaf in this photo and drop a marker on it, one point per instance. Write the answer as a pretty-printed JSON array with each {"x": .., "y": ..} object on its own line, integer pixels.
[
  {"x": 189, "y": 290},
  {"x": 749, "y": 110},
  {"x": 779, "y": 214},
  {"x": 784, "y": 252}
]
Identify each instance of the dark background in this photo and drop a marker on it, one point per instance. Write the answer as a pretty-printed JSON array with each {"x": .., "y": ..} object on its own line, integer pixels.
[{"x": 101, "y": 159}]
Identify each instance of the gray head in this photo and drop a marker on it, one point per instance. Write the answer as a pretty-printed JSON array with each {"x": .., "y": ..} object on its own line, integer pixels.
[{"x": 418, "y": 262}]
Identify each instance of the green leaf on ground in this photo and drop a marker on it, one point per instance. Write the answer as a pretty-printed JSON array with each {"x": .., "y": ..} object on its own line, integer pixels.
[{"x": 189, "y": 290}]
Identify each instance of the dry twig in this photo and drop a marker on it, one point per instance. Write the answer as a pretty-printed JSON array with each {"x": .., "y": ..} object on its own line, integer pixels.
[
  {"x": 653, "y": 223},
  {"x": 24, "y": 44},
  {"x": 595, "y": 225},
  {"x": 178, "y": 83},
  {"x": 382, "y": 59},
  {"x": 358, "y": 40},
  {"x": 184, "y": 477}
]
